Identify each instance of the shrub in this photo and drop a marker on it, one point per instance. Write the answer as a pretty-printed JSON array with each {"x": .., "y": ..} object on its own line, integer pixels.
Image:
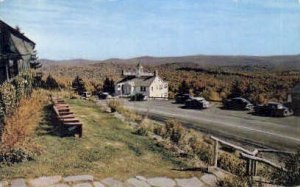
[
  {"x": 137, "y": 97},
  {"x": 292, "y": 176},
  {"x": 19, "y": 127},
  {"x": 19, "y": 84},
  {"x": 51, "y": 83},
  {"x": 174, "y": 130},
  {"x": 114, "y": 105},
  {"x": 231, "y": 163},
  {"x": 232, "y": 182},
  {"x": 8, "y": 98},
  {"x": 28, "y": 77},
  {"x": 15, "y": 155},
  {"x": 79, "y": 85},
  {"x": 145, "y": 128}
]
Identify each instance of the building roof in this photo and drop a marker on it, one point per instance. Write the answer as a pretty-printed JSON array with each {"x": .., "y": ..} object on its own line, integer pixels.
[
  {"x": 15, "y": 32},
  {"x": 139, "y": 81},
  {"x": 14, "y": 43}
]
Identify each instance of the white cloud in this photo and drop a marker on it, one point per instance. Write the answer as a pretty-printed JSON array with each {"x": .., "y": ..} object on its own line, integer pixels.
[{"x": 1, "y": 1}]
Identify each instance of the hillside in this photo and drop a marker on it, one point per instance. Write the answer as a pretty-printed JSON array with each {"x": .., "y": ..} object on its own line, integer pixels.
[{"x": 278, "y": 62}]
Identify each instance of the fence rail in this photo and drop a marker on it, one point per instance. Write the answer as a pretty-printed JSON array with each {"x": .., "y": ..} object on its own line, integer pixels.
[{"x": 250, "y": 156}]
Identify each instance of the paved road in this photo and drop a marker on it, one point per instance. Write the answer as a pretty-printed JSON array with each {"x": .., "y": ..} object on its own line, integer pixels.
[{"x": 280, "y": 133}]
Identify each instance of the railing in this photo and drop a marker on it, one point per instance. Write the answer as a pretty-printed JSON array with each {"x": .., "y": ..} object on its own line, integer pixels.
[{"x": 250, "y": 156}]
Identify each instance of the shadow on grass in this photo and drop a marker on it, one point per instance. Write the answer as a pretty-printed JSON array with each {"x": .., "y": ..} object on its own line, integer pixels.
[{"x": 48, "y": 126}]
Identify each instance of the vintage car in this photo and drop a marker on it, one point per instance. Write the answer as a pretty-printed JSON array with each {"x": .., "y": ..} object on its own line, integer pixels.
[
  {"x": 273, "y": 109},
  {"x": 138, "y": 97},
  {"x": 104, "y": 95},
  {"x": 196, "y": 103},
  {"x": 238, "y": 103},
  {"x": 86, "y": 94},
  {"x": 181, "y": 98}
]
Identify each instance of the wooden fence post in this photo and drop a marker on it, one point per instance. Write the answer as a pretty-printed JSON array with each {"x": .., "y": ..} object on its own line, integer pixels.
[{"x": 216, "y": 147}]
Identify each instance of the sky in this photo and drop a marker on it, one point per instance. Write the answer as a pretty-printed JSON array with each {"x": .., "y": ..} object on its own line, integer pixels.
[{"x": 102, "y": 29}]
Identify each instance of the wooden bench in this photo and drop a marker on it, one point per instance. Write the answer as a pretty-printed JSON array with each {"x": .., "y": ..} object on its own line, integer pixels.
[{"x": 65, "y": 118}]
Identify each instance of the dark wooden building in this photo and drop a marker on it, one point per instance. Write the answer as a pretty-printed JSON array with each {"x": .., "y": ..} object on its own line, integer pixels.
[{"x": 16, "y": 51}]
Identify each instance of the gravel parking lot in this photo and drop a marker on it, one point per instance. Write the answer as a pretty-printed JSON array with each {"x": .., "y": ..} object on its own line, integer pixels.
[{"x": 271, "y": 132}]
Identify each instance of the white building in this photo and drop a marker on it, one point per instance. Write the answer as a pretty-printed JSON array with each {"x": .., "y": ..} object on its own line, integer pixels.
[{"x": 148, "y": 84}]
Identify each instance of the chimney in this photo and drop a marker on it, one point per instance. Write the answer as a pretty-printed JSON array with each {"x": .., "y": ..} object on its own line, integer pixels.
[{"x": 155, "y": 73}]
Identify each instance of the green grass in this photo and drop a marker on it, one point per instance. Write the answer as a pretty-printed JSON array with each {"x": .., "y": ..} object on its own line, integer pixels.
[{"x": 108, "y": 148}]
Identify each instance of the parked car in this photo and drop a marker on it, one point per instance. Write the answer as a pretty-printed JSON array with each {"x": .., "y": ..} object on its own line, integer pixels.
[
  {"x": 238, "y": 103},
  {"x": 138, "y": 97},
  {"x": 181, "y": 98},
  {"x": 273, "y": 109},
  {"x": 86, "y": 94},
  {"x": 197, "y": 103},
  {"x": 104, "y": 95}
]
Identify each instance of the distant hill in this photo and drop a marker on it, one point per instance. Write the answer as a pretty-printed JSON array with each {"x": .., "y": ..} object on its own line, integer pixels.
[{"x": 277, "y": 62}]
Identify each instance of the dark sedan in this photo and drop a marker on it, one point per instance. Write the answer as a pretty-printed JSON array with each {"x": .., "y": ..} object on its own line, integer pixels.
[
  {"x": 273, "y": 109},
  {"x": 238, "y": 103}
]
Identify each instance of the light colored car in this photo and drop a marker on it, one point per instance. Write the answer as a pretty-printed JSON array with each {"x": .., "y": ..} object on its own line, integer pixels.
[{"x": 86, "y": 94}]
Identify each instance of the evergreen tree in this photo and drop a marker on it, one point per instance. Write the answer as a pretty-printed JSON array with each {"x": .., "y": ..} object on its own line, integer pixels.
[
  {"x": 34, "y": 62},
  {"x": 51, "y": 83},
  {"x": 109, "y": 86},
  {"x": 78, "y": 85},
  {"x": 184, "y": 88}
]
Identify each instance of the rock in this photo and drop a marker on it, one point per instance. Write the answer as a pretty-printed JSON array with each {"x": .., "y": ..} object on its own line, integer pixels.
[
  {"x": 161, "y": 182},
  {"x": 60, "y": 185},
  {"x": 83, "y": 185},
  {"x": 110, "y": 182},
  {"x": 44, "y": 181},
  {"x": 18, "y": 183},
  {"x": 98, "y": 184},
  {"x": 141, "y": 178},
  {"x": 79, "y": 178},
  {"x": 192, "y": 182},
  {"x": 136, "y": 183},
  {"x": 3, "y": 183},
  {"x": 209, "y": 179}
]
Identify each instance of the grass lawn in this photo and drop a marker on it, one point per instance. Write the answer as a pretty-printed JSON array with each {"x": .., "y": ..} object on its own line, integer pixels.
[{"x": 107, "y": 149}]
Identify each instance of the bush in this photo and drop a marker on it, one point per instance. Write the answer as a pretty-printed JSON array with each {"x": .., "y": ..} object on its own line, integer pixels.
[
  {"x": 114, "y": 105},
  {"x": 51, "y": 83},
  {"x": 19, "y": 84},
  {"x": 292, "y": 176},
  {"x": 19, "y": 129},
  {"x": 233, "y": 182},
  {"x": 15, "y": 155},
  {"x": 28, "y": 77},
  {"x": 8, "y": 98},
  {"x": 145, "y": 128},
  {"x": 137, "y": 97},
  {"x": 231, "y": 163},
  {"x": 174, "y": 130},
  {"x": 79, "y": 85}
]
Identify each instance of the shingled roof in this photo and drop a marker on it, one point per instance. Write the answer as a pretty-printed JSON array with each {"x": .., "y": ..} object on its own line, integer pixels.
[{"x": 13, "y": 42}]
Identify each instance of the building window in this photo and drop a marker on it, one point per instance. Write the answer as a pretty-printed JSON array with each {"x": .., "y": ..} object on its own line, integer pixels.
[
  {"x": 151, "y": 88},
  {"x": 143, "y": 88}
]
